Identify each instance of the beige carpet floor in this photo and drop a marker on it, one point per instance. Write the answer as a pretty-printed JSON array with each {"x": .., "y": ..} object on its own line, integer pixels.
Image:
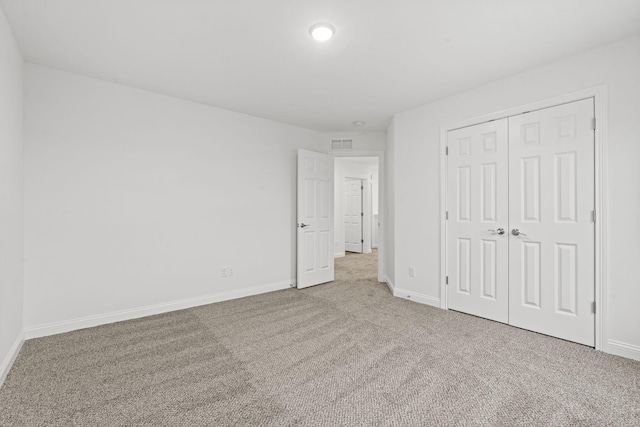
[{"x": 345, "y": 353}]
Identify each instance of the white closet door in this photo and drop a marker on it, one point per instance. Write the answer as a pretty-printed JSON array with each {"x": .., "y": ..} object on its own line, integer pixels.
[
  {"x": 551, "y": 199},
  {"x": 477, "y": 196}
]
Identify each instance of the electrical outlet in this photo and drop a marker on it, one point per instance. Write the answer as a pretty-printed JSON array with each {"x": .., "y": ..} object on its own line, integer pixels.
[
  {"x": 223, "y": 272},
  {"x": 230, "y": 271},
  {"x": 412, "y": 272}
]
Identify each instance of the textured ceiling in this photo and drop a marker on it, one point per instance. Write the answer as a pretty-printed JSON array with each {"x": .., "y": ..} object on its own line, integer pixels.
[{"x": 256, "y": 57}]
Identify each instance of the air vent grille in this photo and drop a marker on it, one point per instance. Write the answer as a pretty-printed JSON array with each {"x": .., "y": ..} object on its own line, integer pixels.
[{"x": 342, "y": 144}]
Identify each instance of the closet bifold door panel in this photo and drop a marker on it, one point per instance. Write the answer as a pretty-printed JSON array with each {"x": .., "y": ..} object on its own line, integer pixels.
[
  {"x": 477, "y": 193},
  {"x": 551, "y": 228}
]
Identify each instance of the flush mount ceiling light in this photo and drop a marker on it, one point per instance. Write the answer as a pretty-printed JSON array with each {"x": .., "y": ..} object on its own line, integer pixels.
[
  {"x": 322, "y": 32},
  {"x": 358, "y": 123}
]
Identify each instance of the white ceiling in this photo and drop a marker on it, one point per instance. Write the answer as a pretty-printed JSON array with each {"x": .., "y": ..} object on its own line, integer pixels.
[{"x": 256, "y": 57}]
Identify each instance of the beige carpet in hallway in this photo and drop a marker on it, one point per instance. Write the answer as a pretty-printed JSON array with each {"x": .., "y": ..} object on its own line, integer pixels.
[{"x": 343, "y": 353}]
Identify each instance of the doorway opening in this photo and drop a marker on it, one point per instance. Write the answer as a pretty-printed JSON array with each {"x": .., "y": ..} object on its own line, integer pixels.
[
  {"x": 319, "y": 211},
  {"x": 357, "y": 211}
]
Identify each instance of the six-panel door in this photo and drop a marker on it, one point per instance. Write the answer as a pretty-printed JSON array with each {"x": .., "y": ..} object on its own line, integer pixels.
[
  {"x": 315, "y": 219},
  {"x": 353, "y": 215},
  {"x": 477, "y": 193},
  {"x": 551, "y": 200}
]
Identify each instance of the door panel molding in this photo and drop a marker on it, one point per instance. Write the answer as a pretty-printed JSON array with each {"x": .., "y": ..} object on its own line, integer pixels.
[{"x": 600, "y": 96}]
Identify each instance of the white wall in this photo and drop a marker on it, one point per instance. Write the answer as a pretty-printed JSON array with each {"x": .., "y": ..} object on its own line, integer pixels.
[
  {"x": 417, "y": 173},
  {"x": 11, "y": 198},
  {"x": 363, "y": 141},
  {"x": 354, "y": 168},
  {"x": 134, "y": 199},
  {"x": 375, "y": 206},
  {"x": 389, "y": 208}
]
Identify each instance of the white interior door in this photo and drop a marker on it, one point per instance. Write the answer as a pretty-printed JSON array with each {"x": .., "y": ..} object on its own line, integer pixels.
[
  {"x": 531, "y": 175},
  {"x": 477, "y": 206},
  {"x": 353, "y": 215},
  {"x": 551, "y": 200},
  {"x": 315, "y": 219}
]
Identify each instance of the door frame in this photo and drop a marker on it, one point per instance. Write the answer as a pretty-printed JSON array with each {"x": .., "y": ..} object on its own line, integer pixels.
[
  {"x": 600, "y": 96},
  {"x": 381, "y": 199}
]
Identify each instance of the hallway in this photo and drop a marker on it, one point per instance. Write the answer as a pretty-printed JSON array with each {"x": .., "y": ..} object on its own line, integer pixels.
[{"x": 358, "y": 267}]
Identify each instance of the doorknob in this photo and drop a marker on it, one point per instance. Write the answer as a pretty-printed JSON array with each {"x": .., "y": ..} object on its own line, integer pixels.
[
  {"x": 303, "y": 225},
  {"x": 517, "y": 232},
  {"x": 499, "y": 231}
]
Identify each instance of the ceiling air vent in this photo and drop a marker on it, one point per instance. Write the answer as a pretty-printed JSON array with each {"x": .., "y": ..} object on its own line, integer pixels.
[{"x": 342, "y": 144}]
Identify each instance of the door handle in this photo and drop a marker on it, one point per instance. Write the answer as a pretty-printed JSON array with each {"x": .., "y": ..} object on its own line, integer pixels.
[
  {"x": 499, "y": 231},
  {"x": 303, "y": 225},
  {"x": 517, "y": 232}
]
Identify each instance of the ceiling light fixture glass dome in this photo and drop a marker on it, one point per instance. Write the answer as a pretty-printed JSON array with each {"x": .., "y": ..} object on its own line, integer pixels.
[{"x": 322, "y": 32}]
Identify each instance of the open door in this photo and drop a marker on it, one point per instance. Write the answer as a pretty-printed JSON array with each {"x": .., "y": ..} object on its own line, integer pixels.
[{"x": 315, "y": 218}]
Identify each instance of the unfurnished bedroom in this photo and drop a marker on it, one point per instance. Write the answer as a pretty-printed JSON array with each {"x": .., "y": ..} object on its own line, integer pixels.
[{"x": 319, "y": 213}]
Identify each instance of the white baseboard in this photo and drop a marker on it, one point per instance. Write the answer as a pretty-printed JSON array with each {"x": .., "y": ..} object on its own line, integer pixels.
[
  {"x": 390, "y": 284},
  {"x": 149, "y": 310},
  {"x": 374, "y": 246},
  {"x": 338, "y": 254},
  {"x": 417, "y": 297},
  {"x": 618, "y": 348},
  {"x": 7, "y": 363}
]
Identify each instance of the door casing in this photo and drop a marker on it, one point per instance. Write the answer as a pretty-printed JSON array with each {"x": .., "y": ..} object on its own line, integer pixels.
[{"x": 599, "y": 94}]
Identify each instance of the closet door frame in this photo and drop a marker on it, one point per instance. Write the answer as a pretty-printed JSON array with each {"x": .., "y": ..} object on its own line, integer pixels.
[{"x": 599, "y": 94}]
